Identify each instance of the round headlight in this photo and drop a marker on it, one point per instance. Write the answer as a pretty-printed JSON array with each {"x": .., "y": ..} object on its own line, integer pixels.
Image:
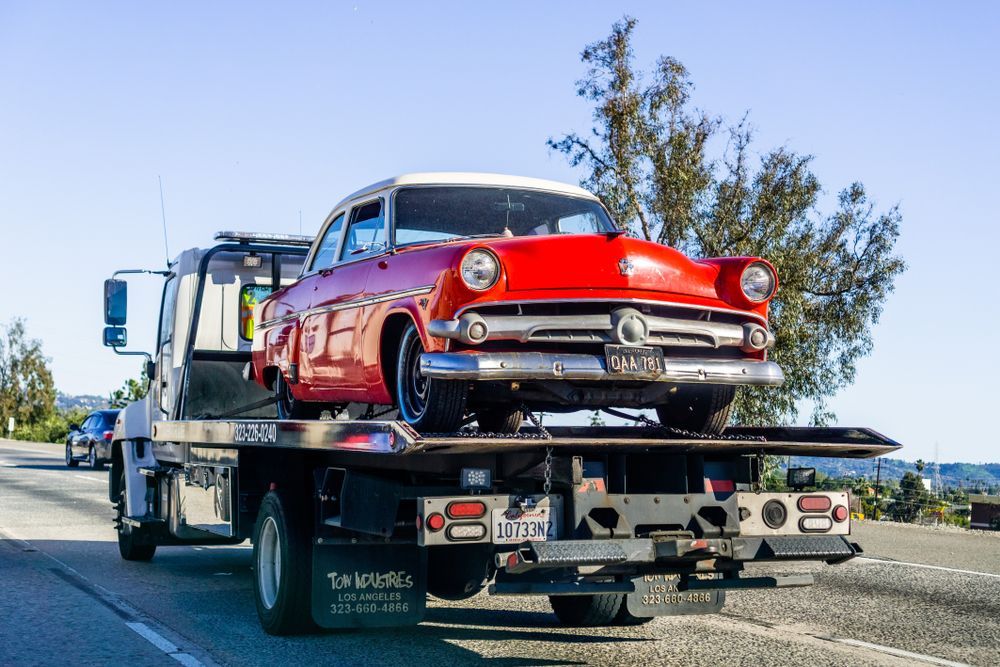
[
  {"x": 480, "y": 269},
  {"x": 758, "y": 282}
]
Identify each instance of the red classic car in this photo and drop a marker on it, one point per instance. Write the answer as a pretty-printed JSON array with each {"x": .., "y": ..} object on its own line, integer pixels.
[{"x": 459, "y": 295}]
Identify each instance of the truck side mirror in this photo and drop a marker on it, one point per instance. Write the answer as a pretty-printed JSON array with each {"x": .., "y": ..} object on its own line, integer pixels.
[
  {"x": 115, "y": 337},
  {"x": 115, "y": 303}
]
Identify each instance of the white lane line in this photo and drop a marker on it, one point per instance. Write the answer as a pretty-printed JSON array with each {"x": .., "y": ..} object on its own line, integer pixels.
[
  {"x": 162, "y": 643},
  {"x": 927, "y": 567},
  {"x": 91, "y": 479},
  {"x": 153, "y": 637},
  {"x": 898, "y": 652}
]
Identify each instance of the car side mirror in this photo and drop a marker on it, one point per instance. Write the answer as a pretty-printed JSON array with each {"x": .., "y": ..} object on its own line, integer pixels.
[
  {"x": 115, "y": 337},
  {"x": 74, "y": 427},
  {"x": 115, "y": 302}
]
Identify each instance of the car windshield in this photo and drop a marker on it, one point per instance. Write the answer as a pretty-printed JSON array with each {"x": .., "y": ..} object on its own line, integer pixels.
[{"x": 439, "y": 213}]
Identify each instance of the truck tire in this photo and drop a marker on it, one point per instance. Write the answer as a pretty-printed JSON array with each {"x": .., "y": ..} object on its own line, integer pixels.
[
  {"x": 699, "y": 408},
  {"x": 587, "y": 610},
  {"x": 130, "y": 543},
  {"x": 70, "y": 461},
  {"x": 500, "y": 420},
  {"x": 282, "y": 568},
  {"x": 290, "y": 407},
  {"x": 625, "y": 617},
  {"x": 460, "y": 571},
  {"x": 428, "y": 405}
]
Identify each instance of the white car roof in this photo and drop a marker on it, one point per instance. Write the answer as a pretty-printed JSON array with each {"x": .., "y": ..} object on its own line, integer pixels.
[{"x": 469, "y": 178}]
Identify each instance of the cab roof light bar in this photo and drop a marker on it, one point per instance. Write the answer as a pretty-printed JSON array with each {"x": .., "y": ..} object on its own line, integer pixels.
[{"x": 261, "y": 237}]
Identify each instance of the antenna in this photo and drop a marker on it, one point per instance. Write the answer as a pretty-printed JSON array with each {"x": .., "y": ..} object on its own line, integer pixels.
[{"x": 163, "y": 214}]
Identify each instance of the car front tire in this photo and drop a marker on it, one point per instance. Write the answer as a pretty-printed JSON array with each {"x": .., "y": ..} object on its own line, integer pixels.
[
  {"x": 428, "y": 405},
  {"x": 699, "y": 408},
  {"x": 499, "y": 420},
  {"x": 70, "y": 461}
]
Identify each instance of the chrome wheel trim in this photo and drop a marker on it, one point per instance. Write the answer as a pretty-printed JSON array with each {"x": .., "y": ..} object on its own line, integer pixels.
[
  {"x": 268, "y": 563},
  {"x": 92, "y": 457}
]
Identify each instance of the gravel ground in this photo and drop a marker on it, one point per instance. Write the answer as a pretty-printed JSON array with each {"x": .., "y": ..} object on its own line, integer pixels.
[{"x": 200, "y": 599}]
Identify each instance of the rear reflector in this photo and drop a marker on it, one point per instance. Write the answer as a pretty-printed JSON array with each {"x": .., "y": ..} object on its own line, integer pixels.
[
  {"x": 435, "y": 522},
  {"x": 466, "y": 531},
  {"x": 840, "y": 514},
  {"x": 466, "y": 509},
  {"x": 814, "y": 503},
  {"x": 108, "y": 435},
  {"x": 815, "y": 524}
]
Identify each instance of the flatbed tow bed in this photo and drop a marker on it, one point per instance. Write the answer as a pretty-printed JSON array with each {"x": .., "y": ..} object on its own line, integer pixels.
[
  {"x": 396, "y": 437},
  {"x": 621, "y": 540}
]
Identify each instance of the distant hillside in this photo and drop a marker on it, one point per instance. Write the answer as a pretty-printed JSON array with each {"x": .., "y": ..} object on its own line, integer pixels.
[
  {"x": 952, "y": 474},
  {"x": 83, "y": 402}
]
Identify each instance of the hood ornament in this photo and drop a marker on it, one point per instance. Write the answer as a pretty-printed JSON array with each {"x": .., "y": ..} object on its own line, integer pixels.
[{"x": 626, "y": 266}]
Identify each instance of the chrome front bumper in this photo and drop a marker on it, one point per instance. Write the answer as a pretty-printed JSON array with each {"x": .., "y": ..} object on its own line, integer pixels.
[{"x": 545, "y": 366}]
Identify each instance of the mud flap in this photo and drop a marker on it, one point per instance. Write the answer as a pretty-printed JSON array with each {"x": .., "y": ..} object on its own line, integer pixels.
[
  {"x": 366, "y": 585},
  {"x": 659, "y": 595}
]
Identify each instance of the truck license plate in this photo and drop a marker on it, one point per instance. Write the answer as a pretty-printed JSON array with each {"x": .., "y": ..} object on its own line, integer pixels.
[
  {"x": 514, "y": 525},
  {"x": 626, "y": 360}
]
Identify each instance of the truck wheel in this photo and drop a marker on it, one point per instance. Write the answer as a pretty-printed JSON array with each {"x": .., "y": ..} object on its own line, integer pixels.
[
  {"x": 699, "y": 408},
  {"x": 282, "y": 568},
  {"x": 290, "y": 407},
  {"x": 92, "y": 459},
  {"x": 130, "y": 546},
  {"x": 500, "y": 420},
  {"x": 459, "y": 571},
  {"x": 587, "y": 610},
  {"x": 70, "y": 461},
  {"x": 426, "y": 404},
  {"x": 625, "y": 617}
]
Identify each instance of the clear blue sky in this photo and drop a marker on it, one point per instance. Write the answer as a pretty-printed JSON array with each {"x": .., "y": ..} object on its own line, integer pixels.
[{"x": 252, "y": 113}]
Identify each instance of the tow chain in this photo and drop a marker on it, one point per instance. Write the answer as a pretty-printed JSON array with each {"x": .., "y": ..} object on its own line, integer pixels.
[
  {"x": 680, "y": 432},
  {"x": 761, "y": 468},
  {"x": 542, "y": 434}
]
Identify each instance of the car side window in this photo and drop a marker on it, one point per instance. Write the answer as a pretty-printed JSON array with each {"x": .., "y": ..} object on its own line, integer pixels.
[
  {"x": 326, "y": 254},
  {"x": 366, "y": 233},
  {"x": 87, "y": 424}
]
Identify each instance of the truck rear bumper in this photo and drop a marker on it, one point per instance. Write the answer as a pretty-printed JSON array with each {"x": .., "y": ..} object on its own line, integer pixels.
[
  {"x": 603, "y": 553},
  {"x": 588, "y": 367}
]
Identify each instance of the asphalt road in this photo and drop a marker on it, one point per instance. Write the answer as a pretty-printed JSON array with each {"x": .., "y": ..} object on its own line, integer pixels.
[{"x": 920, "y": 596}]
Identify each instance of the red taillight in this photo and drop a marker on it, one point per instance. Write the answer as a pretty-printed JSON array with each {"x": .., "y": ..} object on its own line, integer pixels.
[
  {"x": 814, "y": 503},
  {"x": 435, "y": 522},
  {"x": 840, "y": 514},
  {"x": 466, "y": 509},
  {"x": 108, "y": 435}
]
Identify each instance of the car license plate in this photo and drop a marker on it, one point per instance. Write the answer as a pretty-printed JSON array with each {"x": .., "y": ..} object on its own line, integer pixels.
[
  {"x": 627, "y": 360},
  {"x": 514, "y": 525}
]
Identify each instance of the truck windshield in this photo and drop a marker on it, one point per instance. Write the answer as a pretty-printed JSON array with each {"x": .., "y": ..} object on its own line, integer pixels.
[{"x": 439, "y": 213}]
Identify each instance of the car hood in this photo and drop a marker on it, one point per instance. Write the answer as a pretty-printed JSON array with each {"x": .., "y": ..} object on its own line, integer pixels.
[{"x": 598, "y": 261}]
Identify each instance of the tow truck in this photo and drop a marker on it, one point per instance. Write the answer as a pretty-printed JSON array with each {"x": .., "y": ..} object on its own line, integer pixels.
[{"x": 355, "y": 517}]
